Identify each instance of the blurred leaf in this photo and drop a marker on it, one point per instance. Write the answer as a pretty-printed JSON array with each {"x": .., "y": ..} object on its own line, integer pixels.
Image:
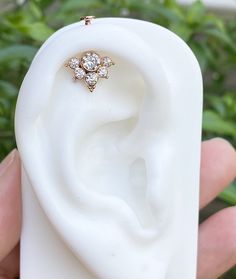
[
  {"x": 15, "y": 52},
  {"x": 219, "y": 106},
  {"x": 182, "y": 30},
  {"x": 171, "y": 4},
  {"x": 37, "y": 31},
  {"x": 211, "y": 20},
  {"x": 201, "y": 53},
  {"x": 42, "y": 4},
  {"x": 7, "y": 89},
  {"x": 154, "y": 11},
  {"x": 212, "y": 122},
  {"x": 222, "y": 36},
  {"x": 168, "y": 14},
  {"x": 71, "y": 5},
  {"x": 196, "y": 12},
  {"x": 35, "y": 10},
  {"x": 229, "y": 194},
  {"x": 3, "y": 122}
]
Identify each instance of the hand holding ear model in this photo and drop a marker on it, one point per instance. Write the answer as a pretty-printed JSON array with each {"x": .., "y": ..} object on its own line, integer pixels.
[
  {"x": 216, "y": 249},
  {"x": 104, "y": 163}
]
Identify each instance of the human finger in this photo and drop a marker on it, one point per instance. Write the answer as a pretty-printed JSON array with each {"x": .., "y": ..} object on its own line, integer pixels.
[
  {"x": 218, "y": 168},
  {"x": 216, "y": 244},
  {"x": 10, "y": 203}
]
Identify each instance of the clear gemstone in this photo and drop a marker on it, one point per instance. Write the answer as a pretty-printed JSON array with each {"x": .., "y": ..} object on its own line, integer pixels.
[
  {"x": 91, "y": 79},
  {"x": 107, "y": 62},
  {"x": 79, "y": 73},
  {"x": 73, "y": 63},
  {"x": 91, "y": 61},
  {"x": 102, "y": 72}
]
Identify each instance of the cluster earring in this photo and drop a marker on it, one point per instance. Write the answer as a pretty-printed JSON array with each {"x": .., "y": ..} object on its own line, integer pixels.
[{"x": 90, "y": 67}]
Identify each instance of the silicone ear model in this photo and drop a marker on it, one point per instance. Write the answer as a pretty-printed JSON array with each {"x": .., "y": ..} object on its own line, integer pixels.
[{"x": 110, "y": 178}]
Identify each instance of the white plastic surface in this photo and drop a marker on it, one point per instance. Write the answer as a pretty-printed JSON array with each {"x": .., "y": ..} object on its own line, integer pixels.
[{"x": 111, "y": 178}]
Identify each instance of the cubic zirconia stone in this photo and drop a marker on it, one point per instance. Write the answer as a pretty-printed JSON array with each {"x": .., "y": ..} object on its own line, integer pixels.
[
  {"x": 91, "y": 79},
  {"x": 73, "y": 63},
  {"x": 91, "y": 61},
  {"x": 107, "y": 62},
  {"x": 102, "y": 72},
  {"x": 79, "y": 73}
]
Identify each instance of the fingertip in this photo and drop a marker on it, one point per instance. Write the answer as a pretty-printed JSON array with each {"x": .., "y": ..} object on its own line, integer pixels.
[
  {"x": 218, "y": 168},
  {"x": 222, "y": 145},
  {"x": 217, "y": 246},
  {"x": 10, "y": 203}
]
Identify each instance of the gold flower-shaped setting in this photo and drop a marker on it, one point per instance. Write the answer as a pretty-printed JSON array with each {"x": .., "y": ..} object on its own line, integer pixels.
[{"x": 90, "y": 67}]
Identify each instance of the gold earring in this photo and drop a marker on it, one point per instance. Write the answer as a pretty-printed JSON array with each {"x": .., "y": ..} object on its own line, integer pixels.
[{"x": 90, "y": 67}]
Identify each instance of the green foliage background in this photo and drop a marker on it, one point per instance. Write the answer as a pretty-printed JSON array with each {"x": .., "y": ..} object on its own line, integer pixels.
[{"x": 26, "y": 25}]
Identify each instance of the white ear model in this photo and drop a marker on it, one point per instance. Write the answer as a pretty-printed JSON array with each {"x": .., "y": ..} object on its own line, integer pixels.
[{"x": 111, "y": 178}]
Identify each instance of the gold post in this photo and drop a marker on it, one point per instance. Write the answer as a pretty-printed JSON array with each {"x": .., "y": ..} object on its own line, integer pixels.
[{"x": 87, "y": 19}]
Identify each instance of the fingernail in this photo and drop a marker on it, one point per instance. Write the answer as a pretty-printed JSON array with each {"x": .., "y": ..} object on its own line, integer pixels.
[{"x": 6, "y": 163}]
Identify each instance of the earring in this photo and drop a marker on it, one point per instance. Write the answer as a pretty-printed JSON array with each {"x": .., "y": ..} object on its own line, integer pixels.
[{"x": 90, "y": 66}]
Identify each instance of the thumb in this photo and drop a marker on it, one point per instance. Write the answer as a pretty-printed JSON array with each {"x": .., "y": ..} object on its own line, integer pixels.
[{"x": 10, "y": 203}]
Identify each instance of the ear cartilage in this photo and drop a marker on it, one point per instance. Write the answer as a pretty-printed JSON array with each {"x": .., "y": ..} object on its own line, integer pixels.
[{"x": 90, "y": 67}]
